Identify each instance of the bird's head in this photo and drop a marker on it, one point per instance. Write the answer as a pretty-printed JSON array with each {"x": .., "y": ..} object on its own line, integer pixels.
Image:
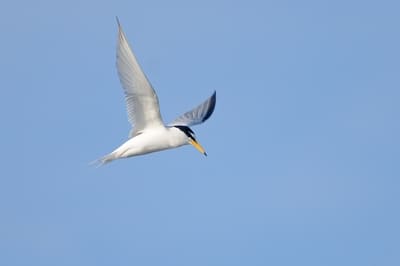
[{"x": 191, "y": 138}]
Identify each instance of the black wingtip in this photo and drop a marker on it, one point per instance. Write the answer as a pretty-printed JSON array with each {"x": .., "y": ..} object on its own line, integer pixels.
[
  {"x": 119, "y": 26},
  {"x": 213, "y": 101}
]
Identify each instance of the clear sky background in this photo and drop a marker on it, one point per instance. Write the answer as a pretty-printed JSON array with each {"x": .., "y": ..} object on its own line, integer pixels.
[{"x": 304, "y": 147}]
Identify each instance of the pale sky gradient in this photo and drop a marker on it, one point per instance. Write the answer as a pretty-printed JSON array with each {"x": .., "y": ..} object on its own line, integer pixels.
[{"x": 304, "y": 146}]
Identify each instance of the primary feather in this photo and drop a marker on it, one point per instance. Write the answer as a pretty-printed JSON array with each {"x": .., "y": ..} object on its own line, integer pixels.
[{"x": 198, "y": 114}]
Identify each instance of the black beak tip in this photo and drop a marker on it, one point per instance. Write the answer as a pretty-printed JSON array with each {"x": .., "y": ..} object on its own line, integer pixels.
[{"x": 205, "y": 154}]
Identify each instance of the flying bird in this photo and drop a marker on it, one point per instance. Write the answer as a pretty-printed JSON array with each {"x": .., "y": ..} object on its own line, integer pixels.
[{"x": 149, "y": 133}]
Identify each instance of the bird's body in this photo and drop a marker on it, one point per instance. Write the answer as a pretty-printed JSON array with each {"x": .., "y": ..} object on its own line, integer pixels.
[
  {"x": 157, "y": 139},
  {"x": 149, "y": 134}
]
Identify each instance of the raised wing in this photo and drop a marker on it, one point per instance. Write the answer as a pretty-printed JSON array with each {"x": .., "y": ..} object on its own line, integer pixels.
[
  {"x": 197, "y": 115},
  {"x": 141, "y": 99}
]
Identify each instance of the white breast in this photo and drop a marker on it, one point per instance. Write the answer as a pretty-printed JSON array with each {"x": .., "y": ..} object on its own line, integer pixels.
[{"x": 151, "y": 140}]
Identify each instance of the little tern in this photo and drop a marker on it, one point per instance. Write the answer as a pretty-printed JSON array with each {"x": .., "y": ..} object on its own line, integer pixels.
[{"x": 148, "y": 133}]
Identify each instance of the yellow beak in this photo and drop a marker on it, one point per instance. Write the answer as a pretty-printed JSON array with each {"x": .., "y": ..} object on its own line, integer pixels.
[{"x": 197, "y": 146}]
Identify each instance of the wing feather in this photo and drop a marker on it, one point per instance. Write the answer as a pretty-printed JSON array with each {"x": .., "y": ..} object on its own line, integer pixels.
[
  {"x": 198, "y": 114},
  {"x": 141, "y": 99}
]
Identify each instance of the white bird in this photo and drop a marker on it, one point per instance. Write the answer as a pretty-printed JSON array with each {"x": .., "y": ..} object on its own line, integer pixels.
[{"x": 148, "y": 133}]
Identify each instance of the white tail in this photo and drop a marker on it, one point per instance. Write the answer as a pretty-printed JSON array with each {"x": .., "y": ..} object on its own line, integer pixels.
[{"x": 104, "y": 160}]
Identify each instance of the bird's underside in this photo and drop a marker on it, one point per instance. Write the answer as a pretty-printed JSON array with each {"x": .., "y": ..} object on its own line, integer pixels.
[{"x": 148, "y": 133}]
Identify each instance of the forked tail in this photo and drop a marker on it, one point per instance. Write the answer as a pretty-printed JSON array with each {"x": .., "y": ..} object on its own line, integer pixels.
[{"x": 104, "y": 160}]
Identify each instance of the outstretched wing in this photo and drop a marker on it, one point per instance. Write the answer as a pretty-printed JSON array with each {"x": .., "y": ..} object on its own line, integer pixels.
[
  {"x": 197, "y": 115},
  {"x": 141, "y": 99}
]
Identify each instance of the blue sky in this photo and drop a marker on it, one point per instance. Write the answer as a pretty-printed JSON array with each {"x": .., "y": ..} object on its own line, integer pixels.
[{"x": 304, "y": 148}]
